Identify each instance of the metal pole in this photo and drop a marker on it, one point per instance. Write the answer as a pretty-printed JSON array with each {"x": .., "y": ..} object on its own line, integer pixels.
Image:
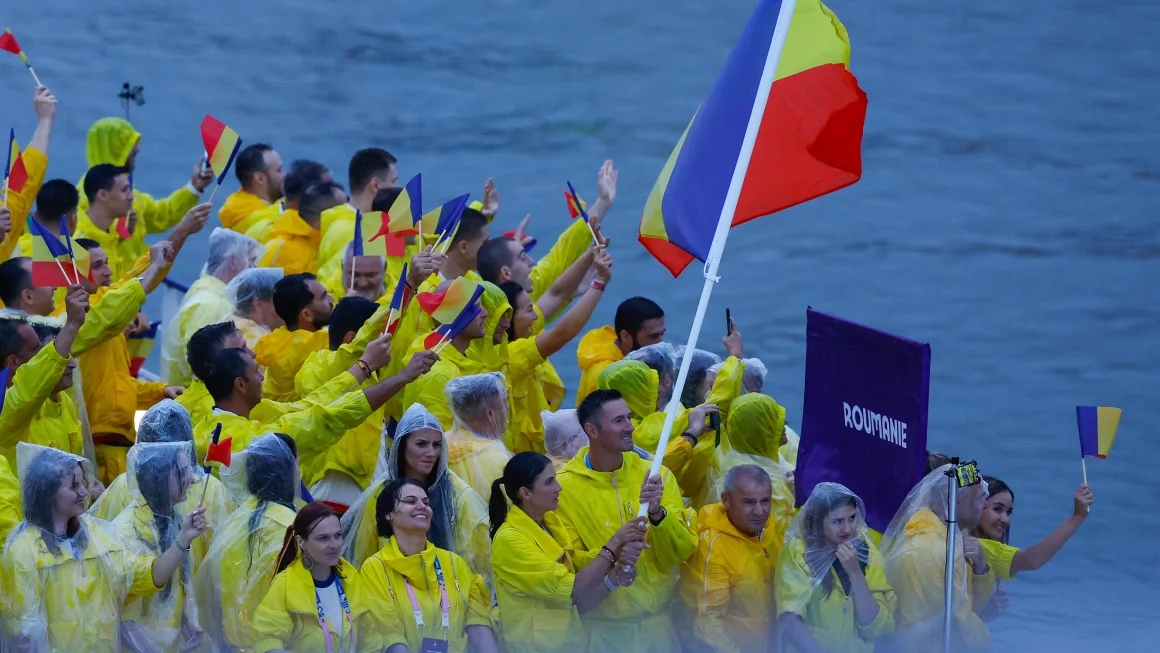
[{"x": 952, "y": 532}]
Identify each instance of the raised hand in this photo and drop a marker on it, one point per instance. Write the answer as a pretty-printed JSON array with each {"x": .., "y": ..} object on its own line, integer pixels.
[
  {"x": 490, "y": 199},
  {"x": 201, "y": 176},
  {"x": 733, "y": 343},
  {"x": 420, "y": 364}
]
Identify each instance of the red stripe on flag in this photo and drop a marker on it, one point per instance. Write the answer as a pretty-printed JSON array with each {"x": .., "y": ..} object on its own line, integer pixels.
[
  {"x": 396, "y": 245},
  {"x": 18, "y": 175},
  {"x": 669, "y": 255},
  {"x": 8, "y": 42},
  {"x": 809, "y": 142},
  {"x": 211, "y": 133},
  {"x": 47, "y": 274}
]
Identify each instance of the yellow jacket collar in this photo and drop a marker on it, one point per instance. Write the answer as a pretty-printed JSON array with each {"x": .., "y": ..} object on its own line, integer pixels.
[
  {"x": 414, "y": 568},
  {"x": 290, "y": 224},
  {"x": 714, "y": 518},
  {"x": 519, "y": 520},
  {"x": 300, "y": 594},
  {"x": 598, "y": 346}
]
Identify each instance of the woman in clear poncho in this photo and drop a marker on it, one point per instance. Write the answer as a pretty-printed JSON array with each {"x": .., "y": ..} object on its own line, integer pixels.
[
  {"x": 251, "y": 293},
  {"x": 831, "y": 590},
  {"x": 475, "y": 445},
  {"x": 66, "y": 574},
  {"x": 751, "y": 436},
  {"x": 563, "y": 435},
  {"x": 168, "y": 421},
  {"x": 240, "y": 566},
  {"x": 914, "y": 548},
  {"x": 459, "y": 515},
  {"x": 700, "y": 380},
  {"x": 161, "y": 477}
]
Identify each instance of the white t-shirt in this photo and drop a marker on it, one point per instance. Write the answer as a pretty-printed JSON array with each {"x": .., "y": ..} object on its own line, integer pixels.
[{"x": 331, "y": 607}]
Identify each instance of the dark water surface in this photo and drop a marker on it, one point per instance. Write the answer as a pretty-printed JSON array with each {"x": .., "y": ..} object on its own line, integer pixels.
[{"x": 1007, "y": 214}]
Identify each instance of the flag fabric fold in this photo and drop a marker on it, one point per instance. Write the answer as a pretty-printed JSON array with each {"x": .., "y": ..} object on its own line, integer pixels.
[
  {"x": 218, "y": 451},
  {"x": 9, "y": 44},
  {"x": 15, "y": 174},
  {"x": 221, "y": 143},
  {"x": 398, "y": 301},
  {"x": 1097, "y": 429},
  {"x": 808, "y": 142},
  {"x": 444, "y": 220},
  {"x": 407, "y": 210},
  {"x": 48, "y": 258},
  {"x": 445, "y": 306}
]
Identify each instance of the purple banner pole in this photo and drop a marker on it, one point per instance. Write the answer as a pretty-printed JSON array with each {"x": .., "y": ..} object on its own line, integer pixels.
[{"x": 865, "y": 414}]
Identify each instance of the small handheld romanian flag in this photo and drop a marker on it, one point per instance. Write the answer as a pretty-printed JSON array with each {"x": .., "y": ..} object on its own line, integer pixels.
[
  {"x": 370, "y": 234},
  {"x": 398, "y": 301},
  {"x": 48, "y": 258},
  {"x": 444, "y": 221},
  {"x": 218, "y": 451},
  {"x": 1097, "y": 429},
  {"x": 140, "y": 346},
  {"x": 15, "y": 174},
  {"x": 222, "y": 145},
  {"x": 445, "y": 306},
  {"x": 576, "y": 205},
  {"x": 407, "y": 209}
]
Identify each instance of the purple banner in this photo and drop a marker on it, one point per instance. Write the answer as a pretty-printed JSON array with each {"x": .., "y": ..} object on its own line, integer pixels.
[{"x": 864, "y": 419}]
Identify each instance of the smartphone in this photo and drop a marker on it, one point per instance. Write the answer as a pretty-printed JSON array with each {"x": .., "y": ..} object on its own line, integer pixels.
[
  {"x": 205, "y": 162},
  {"x": 728, "y": 323},
  {"x": 715, "y": 422}
]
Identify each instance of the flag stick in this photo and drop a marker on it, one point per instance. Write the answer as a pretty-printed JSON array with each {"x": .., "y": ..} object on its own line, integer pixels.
[
  {"x": 215, "y": 190},
  {"x": 441, "y": 345},
  {"x": 713, "y": 260},
  {"x": 67, "y": 278},
  {"x": 352, "y": 270},
  {"x": 204, "y": 488},
  {"x": 6, "y": 189},
  {"x": 34, "y": 77},
  {"x": 1083, "y": 463},
  {"x": 595, "y": 240},
  {"x": 390, "y": 317}
]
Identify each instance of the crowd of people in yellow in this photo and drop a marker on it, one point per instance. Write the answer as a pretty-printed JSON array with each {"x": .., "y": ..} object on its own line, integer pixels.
[{"x": 380, "y": 496}]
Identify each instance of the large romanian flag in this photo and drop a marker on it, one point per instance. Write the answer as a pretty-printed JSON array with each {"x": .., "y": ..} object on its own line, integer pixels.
[{"x": 808, "y": 142}]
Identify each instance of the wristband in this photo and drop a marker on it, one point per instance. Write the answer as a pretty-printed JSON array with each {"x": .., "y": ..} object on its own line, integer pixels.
[
  {"x": 362, "y": 365},
  {"x": 609, "y": 584},
  {"x": 689, "y": 436},
  {"x": 599, "y": 285},
  {"x": 611, "y": 557}
]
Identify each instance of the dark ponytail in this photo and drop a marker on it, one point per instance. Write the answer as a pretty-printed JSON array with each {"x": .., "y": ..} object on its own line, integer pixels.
[{"x": 521, "y": 471}]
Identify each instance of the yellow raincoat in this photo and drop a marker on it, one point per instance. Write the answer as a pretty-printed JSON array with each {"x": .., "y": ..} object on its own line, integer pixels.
[
  {"x": 337, "y": 227},
  {"x": 597, "y": 350},
  {"x": 291, "y": 244},
  {"x": 533, "y": 584},
  {"x": 751, "y": 436},
  {"x": 111, "y": 140},
  {"x": 831, "y": 619},
  {"x": 315, "y": 423},
  {"x": 30, "y": 413},
  {"x": 593, "y": 506},
  {"x": 282, "y": 352},
  {"x": 20, "y": 204},
  {"x": 197, "y": 400},
  {"x": 160, "y": 615},
  {"x": 475, "y": 459},
  {"x": 358, "y": 450},
  {"x": 240, "y": 570},
  {"x": 56, "y": 602},
  {"x": 237, "y": 212},
  {"x": 385, "y": 593},
  {"x": 428, "y": 389},
  {"x": 203, "y": 305},
  {"x": 287, "y": 618},
  {"x": 919, "y": 586},
  {"x": 262, "y": 219},
  {"x": 11, "y": 511},
  {"x": 728, "y": 584}
]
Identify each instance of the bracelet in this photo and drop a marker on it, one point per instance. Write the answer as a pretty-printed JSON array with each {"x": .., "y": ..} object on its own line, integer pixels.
[
  {"x": 689, "y": 436},
  {"x": 599, "y": 285},
  {"x": 609, "y": 584},
  {"x": 611, "y": 557},
  {"x": 185, "y": 548},
  {"x": 362, "y": 365}
]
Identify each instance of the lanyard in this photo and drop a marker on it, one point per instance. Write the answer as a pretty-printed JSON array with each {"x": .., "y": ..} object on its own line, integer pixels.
[
  {"x": 345, "y": 609},
  {"x": 444, "y": 602}
]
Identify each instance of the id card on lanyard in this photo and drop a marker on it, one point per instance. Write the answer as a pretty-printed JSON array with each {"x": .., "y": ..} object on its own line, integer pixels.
[
  {"x": 346, "y": 611},
  {"x": 430, "y": 645}
]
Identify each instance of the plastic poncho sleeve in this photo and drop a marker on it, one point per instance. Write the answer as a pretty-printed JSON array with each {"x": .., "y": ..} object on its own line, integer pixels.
[
  {"x": 479, "y": 601},
  {"x": 32, "y": 384},
  {"x": 522, "y": 568},
  {"x": 20, "y": 204},
  {"x": 10, "y": 508},
  {"x": 384, "y": 606},
  {"x": 272, "y": 625},
  {"x": 919, "y": 588},
  {"x": 472, "y": 530},
  {"x": 109, "y": 316},
  {"x": 24, "y": 610},
  {"x": 999, "y": 557},
  {"x": 160, "y": 215},
  {"x": 675, "y": 538},
  {"x": 571, "y": 245}
]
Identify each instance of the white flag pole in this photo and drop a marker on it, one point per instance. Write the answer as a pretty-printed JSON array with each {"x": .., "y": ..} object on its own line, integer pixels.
[{"x": 724, "y": 222}]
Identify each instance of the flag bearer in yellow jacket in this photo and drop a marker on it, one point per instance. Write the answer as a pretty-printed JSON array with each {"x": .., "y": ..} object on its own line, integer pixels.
[
  {"x": 259, "y": 171},
  {"x": 541, "y": 594},
  {"x": 302, "y": 173},
  {"x": 639, "y": 322},
  {"x": 305, "y": 307},
  {"x": 370, "y": 170},
  {"x": 293, "y": 240},
  {"x": 37, "y": 407},
  {"x": 727, "y": 585},
  {"x": 316, "y": 601},
  {"x": 418, "y": 593},
  {"x": 19, "y": 204},
  {"x": 113, "y": 141},
  {"x": 315, "y": 423},
  {"x": 600, "y": 495},
  {"x": 66, "y": 574},
  {"x": 206, "y": 302},
  {"x": 831, "y": 589}
]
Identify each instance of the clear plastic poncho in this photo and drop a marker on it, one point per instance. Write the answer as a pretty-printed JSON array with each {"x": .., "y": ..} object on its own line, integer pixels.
[
  {"x": 251, "y": 284},
  {"x": 812, "y": 583},
  {"x": 475, "y": 444},
  {"x": 459, "y": 520},
  {"x": 237, "y": 571},
  {"x": 661, "y": 358},
  {"x": 65, "y": 592},
  {"x": 702, "y": 371},
  {"x": 231, "y": 252},
  {"x": 914, "y": 548},
  {"x": 563, "y": 435},
  {"x": 166, "y": 483},
  {"x": 752, "y": 380}
]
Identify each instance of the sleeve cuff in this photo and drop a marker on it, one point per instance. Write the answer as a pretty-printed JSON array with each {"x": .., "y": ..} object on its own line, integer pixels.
[{"x": 193, "y": 189}]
